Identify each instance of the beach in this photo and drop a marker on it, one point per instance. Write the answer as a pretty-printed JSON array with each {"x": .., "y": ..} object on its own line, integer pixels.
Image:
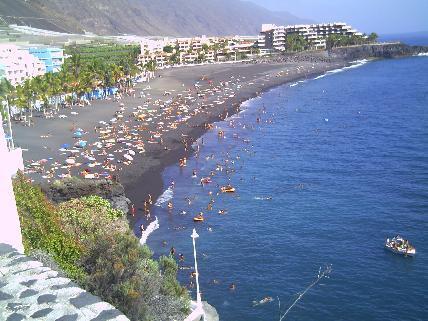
[
  {"x": 156, "y": 124},
  {"x": 314, "y": 164}
]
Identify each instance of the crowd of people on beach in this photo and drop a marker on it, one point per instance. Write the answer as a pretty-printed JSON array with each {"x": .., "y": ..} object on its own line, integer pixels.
[
  {"x": 158, "y": 123},
  {"x": 129, "y": 132}
]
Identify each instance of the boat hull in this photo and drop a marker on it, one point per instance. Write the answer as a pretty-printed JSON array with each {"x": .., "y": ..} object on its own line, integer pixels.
[{"x": 404, "y": 253}]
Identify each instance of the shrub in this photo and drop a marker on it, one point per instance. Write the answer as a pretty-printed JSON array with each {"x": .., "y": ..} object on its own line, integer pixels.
[
  {"x": 170, "y": 285},
  {"x": 92, "y": 244},
  {"x": 122, "y": 273},
  {"x": 41, "y": 228}
]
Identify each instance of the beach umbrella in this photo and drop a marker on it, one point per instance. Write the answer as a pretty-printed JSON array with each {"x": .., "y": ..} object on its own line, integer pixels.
[
  {"x": 128, "y": 157},
  {"x": 70, "y": 161},
  {"x": 80, "y": 144},
  {"x": 77, "y": 134},
  {"x": 65, "y": 146}
]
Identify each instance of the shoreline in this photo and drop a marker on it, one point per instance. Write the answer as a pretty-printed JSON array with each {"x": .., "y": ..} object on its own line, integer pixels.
[
  {"x": 153, "y": 174},
  {"x": 214, "y": 92},
  {"x": 144, "y": 176}
]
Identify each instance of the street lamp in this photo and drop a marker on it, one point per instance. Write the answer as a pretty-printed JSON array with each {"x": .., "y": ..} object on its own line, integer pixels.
[{"x": 198, "y": 294}]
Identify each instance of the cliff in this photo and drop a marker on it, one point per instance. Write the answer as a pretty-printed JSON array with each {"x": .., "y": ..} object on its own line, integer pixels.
[
  {"x": 390, "y": 50},
  {"x": 67, "y": 189}
]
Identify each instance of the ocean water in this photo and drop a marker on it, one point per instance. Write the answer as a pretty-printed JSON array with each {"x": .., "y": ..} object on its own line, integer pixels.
[
  {"x": 324, "y": 172},
  {"x": 413, "y": 39}
]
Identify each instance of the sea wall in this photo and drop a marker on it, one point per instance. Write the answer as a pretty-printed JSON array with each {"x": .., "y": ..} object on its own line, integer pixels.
[
  {"x": 66, "y": 189},
  {"x": 389, "y": 50}
]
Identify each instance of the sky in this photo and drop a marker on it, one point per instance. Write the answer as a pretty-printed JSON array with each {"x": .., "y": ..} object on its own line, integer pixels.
[{"x": 381, "y": 16}]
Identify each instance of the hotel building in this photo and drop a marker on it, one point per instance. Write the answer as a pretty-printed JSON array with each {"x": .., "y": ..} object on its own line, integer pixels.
[
  {"x": 18, "y": 64},
  {"x": 53, "y": 58},
  {"x": 275, "y": 37}
]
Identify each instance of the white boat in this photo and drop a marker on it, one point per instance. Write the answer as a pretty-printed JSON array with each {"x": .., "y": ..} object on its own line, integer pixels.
[{"x": 400, "y": 245}]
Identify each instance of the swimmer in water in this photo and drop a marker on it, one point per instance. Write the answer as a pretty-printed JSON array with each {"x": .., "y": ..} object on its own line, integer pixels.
[
  {"x": 232, "y": 287},
  {"x": 263, "y": 301}
]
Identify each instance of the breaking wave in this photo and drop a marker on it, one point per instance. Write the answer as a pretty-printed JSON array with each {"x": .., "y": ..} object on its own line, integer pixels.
[
  {"x": 165, "y": 197},
  {"x": 153, "y": 226}
]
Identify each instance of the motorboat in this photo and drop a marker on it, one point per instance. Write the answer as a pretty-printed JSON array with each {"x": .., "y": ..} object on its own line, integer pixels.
[{"x": 399, "y": 245}]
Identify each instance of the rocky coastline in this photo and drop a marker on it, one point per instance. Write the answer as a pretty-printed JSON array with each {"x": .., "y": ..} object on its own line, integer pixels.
[
  {"x": 70, "y": 188},
  {"x": 381, "y": 50}
]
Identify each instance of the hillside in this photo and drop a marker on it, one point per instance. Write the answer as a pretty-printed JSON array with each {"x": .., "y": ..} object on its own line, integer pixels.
[{"x": 143, "y": 17}]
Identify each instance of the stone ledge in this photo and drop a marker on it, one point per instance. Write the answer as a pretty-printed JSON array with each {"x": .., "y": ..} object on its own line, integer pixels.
[{"x": 31, "y": 291}]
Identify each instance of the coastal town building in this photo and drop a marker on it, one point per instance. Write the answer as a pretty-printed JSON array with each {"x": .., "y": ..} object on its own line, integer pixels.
[
  {"x": 53, "y": 58},
  {"x": 275, "y": 37},
  {"x": 18, "y": 64},
  {"x": 201, "y": 49}
]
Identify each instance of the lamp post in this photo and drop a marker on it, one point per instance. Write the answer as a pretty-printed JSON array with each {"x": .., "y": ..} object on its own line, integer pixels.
[{"x": 198, "y": 294}]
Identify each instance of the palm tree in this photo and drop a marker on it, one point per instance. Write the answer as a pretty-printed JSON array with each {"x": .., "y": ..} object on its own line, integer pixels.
[
  {"x": 54, "y": 87},
  {"x": 40, "y": 89},
  {"x": 373, "y": 37},
  {"x": 27, "y": 95}
]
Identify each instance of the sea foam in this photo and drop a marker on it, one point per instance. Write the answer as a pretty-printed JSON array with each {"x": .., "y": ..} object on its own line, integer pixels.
[
  {"x": 165, "y": 197},
  {"x": 153, "y": 226},
  {"x": 354, "y": 64}
]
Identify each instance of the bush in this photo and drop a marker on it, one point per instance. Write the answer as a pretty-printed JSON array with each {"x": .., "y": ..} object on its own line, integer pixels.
[
  {"x": 122, "y": 273},
  {"x": 42, "y": 230},
  {"x": 92, "y": 244},
  {"x": 97, "y": 203},
  {"x": 170, "y": 285}
]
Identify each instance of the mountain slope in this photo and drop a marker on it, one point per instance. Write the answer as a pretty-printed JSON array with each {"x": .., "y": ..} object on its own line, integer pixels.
[{"x": 145, "y": 17}]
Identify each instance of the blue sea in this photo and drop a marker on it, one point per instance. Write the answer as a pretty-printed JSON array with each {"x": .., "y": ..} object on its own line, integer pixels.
[{"x": 324, "y": 170}]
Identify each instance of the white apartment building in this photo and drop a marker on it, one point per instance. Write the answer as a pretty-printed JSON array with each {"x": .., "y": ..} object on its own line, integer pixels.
[
  {"x": 275, "y": 37},
  {"x": 191, "y": 50},
  {"x": 149, "y": 46},
  {"x": 19, "y": 64}
]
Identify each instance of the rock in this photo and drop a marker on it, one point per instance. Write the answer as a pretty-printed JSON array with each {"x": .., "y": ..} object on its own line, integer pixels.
[
  {"x": 376, "y": 51},
  {"x": 67, "y": 189}
]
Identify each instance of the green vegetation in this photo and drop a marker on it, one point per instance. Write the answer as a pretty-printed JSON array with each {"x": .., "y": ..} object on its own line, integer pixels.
[
  {"x": 81, "y": 73},
  {"x": 344, "y": 40},
  {"x": 108, "y": 52},
  {"x": 41, "y": 228},
  {"x": 296, "y": 43},
  {"x": 168, "y": 49},
  {"x": 92, "y": 244}
]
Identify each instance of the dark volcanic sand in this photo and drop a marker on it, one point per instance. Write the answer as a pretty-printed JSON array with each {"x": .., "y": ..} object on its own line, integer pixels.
[{"x": 144, "y": 175}]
